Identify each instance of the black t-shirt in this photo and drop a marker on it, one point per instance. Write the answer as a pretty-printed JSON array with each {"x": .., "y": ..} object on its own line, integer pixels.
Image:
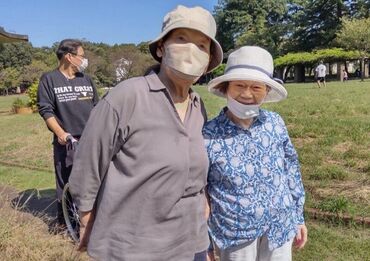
[{"x": 70, "y": 101}]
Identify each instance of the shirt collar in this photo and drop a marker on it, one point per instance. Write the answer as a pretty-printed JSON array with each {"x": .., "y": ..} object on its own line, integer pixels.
[{"x": 155, "y": 84}]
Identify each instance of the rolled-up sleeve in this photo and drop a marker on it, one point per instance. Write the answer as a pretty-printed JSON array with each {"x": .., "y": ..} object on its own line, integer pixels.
[
  {"x": 94, "y": 153},
  {"x": 45, "y": 99}
]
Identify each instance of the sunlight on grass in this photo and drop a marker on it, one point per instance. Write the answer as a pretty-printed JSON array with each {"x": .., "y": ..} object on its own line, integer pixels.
[{"x": 330, "y": 129}]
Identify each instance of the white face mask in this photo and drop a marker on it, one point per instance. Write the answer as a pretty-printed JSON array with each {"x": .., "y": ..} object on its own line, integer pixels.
[
  {"x": 82, "y": 67},
  {"x": 187, "y": 59},
  {"x": 242, "y": 111},
  {"x": 84, "y": 64}
]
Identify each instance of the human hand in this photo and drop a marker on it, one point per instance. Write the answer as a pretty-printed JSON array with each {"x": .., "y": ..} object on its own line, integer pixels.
[
  {"x": 210, "y": 256},
  {"x": 62, "y": 138},
  {"x": 301, "y": 237},
  {"x": 207, "y": 211}
]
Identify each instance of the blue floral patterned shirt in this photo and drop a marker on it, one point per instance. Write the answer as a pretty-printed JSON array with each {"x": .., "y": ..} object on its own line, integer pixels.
[{"x": 254, "y": 181}]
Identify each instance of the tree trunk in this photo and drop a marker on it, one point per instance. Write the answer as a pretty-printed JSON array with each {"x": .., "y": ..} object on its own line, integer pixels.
[
  {"x": 362, "y": 68},
  {"x": 299, "y": 73},
  {"x": 340, "y": 68},
  {"x": 280, "y": 73},
  {"x": 286, "y": 73},
  {"x": 366, "y": 69}
]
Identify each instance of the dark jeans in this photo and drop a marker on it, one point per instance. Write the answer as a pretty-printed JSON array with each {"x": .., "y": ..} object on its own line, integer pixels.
[
  {"x": 61, "y": 175},
  {"x": 201, "y": 256}
]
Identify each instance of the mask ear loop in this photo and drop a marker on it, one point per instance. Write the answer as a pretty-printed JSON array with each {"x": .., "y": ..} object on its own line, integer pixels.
[{"x": 73, "y": 62}]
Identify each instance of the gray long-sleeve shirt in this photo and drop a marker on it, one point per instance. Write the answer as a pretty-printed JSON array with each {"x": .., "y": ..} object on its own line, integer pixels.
[{"x": 143, "y": 169}]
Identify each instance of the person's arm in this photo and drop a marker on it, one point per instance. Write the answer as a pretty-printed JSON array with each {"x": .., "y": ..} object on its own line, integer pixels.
[
  {"x": 99, "y": 141},
  {"x": 210, "y": 250},
  {"x": 296, "y": 187},
  {"x": 46, "y": 108},
  {"x": 86, "y": 223},
  {"x": 95, "y": 90},
  {"x": 54, "y": 126}
]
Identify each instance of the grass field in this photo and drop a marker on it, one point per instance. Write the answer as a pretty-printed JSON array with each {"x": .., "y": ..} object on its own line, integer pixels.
[{"x": 330, "y": 129}]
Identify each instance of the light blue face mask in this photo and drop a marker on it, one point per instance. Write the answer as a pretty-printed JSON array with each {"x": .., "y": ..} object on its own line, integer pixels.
[{"x": 243, "y": 111}]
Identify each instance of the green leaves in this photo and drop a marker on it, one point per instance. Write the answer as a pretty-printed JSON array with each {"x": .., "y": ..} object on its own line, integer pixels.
[
  {"x": 355, "y": 34},
  {"x": 306, "y": 58}
]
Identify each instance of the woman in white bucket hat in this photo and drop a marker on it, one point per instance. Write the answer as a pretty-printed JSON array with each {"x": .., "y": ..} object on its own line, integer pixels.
[
  {"x": 254, "y": 181},
  {"x": 141, "y": 166}
]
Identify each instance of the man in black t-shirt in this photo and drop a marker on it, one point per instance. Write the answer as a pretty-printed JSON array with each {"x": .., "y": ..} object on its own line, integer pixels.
[{"x": 65, "y": 99}]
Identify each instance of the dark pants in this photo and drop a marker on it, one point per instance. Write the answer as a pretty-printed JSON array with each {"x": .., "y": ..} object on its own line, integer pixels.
[
  {"x": 61, "y": 175},
  {"x": 201, "y": 256}
]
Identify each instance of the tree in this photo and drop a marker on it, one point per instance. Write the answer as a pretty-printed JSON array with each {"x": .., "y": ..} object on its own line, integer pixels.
[
  {"x": 9, "y": 77},
  {"x": 45, "y": 55},
  {"x": 245, "y": 22},
  {"x": 359, "y": 9},
  {"x": 144, "y": 47},
  {"x": 32, "y": 72},
  {"x": 15, "y": 55},
  {"x": 355, "y": 35},
  {"x": 315, "y": 23}
]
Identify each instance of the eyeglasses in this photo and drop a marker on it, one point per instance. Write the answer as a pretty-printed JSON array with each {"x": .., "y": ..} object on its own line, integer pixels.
[{"x": 82, "y": 56}]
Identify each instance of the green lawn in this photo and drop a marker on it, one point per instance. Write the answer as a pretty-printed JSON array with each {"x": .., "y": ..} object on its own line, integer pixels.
[{"x": 330, "y": 129}]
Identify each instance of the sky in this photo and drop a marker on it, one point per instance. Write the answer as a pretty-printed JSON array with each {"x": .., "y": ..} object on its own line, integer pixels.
[{"x": 108, "y": 21}]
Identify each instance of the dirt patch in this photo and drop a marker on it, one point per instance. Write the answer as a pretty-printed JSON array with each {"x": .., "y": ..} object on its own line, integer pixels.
[
  {"x": 358, "y": 191},
  {"x": 342, "y": 147},
  {"x": 301, "y": 142},
  {"x": 333, "y": 162}
]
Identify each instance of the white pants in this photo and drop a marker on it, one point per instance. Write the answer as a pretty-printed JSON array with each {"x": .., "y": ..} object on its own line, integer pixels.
[{"x": 256, "y": 250}]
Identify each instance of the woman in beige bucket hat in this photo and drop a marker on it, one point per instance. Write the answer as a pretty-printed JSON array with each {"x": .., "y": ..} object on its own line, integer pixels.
[
  {"x": 254, "y": 180},
  {"x": 141, "y": 166}
]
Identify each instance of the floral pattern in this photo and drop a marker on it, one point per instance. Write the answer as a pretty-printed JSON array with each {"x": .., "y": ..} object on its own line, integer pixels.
[{"x": 254, "y": 181}]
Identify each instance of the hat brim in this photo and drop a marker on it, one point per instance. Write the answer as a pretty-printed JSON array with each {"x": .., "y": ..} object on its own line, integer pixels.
[
  {"x": 216, "y": 50},
  {"x": 277, "y": 92}
]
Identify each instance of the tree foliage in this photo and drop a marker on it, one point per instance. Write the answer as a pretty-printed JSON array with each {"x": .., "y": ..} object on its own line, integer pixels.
[
  {"x": 9, "y": 77},
  {"x": 355, "y": 34},
  {"x": 284, "y": 26},
  {"x": 311, "y": 58},
  {"x": 245, "y": 22},
  {"x": 315, "y": 23},
  {"x": 15, "y": 55}
]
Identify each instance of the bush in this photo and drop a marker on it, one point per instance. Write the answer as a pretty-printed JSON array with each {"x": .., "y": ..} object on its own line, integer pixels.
[
  {"x": 219, "y": 70},
  {"x": 32, "y": 95},
  {"x": 19, "y": 103}
]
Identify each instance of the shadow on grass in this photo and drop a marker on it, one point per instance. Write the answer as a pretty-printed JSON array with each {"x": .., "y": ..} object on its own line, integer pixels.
[{"x": 40, "y": 203}]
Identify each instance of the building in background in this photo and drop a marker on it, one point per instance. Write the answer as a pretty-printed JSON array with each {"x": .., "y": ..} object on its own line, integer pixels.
[{"x": 6, "y": 37}]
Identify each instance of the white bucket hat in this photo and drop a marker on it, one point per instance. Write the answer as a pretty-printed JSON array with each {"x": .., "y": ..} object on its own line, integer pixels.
[
  {"x": 251, "y": 63},
  {"x": 196, "y": 18}
]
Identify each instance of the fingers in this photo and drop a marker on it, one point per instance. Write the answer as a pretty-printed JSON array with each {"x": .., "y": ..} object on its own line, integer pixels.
[
  {"x": 301, "y": 237},
  {"x": 62, "y": 139},
  {"x": 210, "y": 256}
]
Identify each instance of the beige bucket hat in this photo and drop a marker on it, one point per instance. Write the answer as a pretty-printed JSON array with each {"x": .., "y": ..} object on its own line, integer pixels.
[
  {"x": 196, "y": 18},
  {"x": 251, "y": 63}
]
